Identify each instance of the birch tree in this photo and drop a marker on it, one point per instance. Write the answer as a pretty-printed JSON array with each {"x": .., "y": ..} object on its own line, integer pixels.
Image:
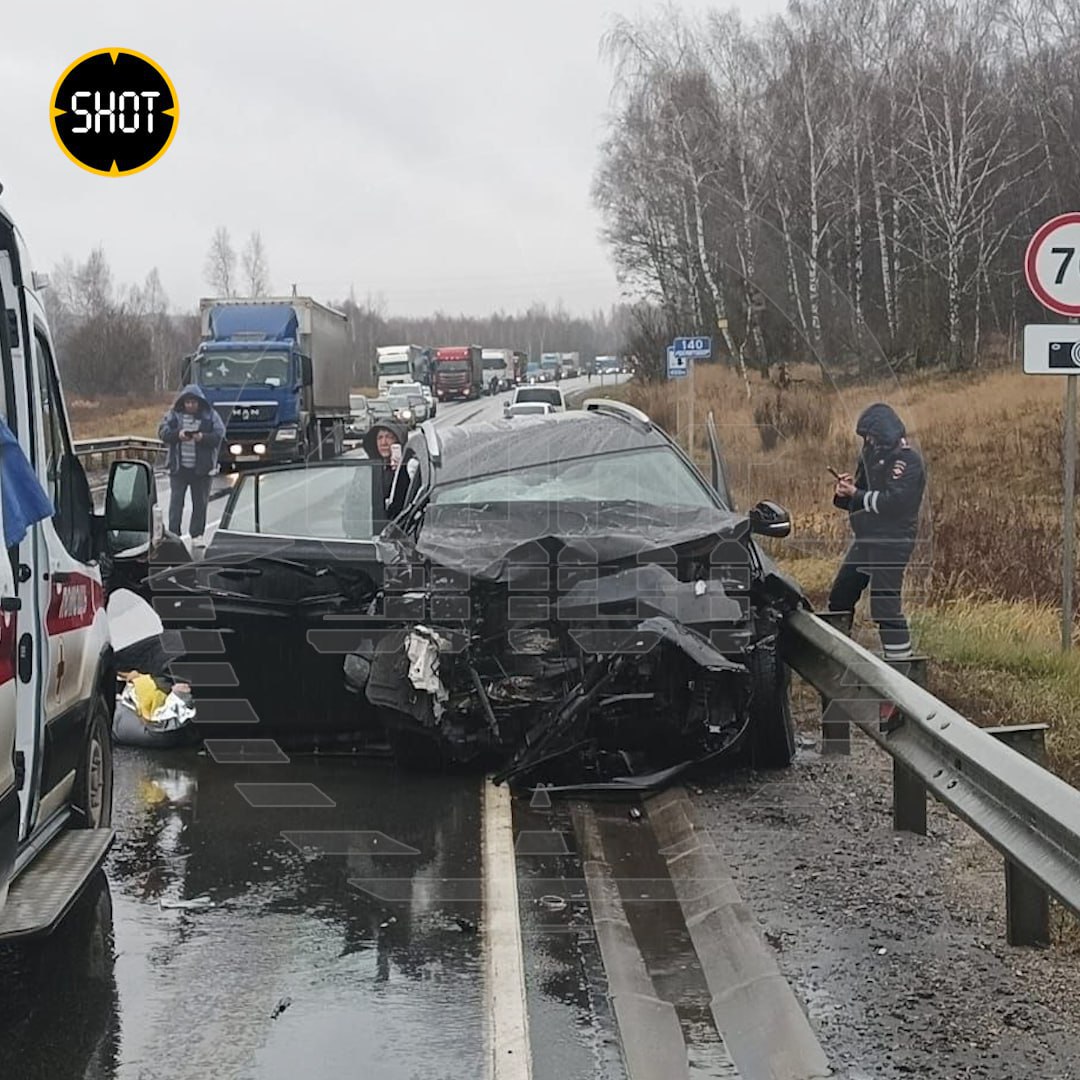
[
  {"x": 256, "y": 267},
  {"x": 220, "y": 267}
]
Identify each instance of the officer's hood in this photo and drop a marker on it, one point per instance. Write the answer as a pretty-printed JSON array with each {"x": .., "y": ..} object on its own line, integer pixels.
[
  {"x": 191, "y": 391},
  {"x": 880, "y": 424},
  {"x": 395, "y": 429}
]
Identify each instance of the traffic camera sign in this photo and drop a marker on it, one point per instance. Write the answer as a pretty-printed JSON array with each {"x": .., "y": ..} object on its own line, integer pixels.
[
  {"x": 1052, "y": 349},
  {"x": 1052, "y": 264}
]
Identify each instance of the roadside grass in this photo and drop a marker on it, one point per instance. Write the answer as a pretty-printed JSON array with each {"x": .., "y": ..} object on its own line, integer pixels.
[
  {"x": 118, "y": 415},
  {"x": 992, "y": 445},
  {"x": 106, "y": 416}
]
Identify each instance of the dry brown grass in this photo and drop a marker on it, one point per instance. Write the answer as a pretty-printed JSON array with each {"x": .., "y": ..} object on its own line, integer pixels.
[
  {"x": 107, "y": 416},
  {"x": 993, "y": 453}
]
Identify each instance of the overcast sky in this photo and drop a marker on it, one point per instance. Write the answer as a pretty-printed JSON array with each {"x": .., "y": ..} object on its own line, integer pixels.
[{"x": 437, "y": 153}]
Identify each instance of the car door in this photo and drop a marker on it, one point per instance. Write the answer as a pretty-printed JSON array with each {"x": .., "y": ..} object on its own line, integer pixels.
[
  {"x": 69, "y": 593},
  {"x": 26, "y": 559},
  {"x": 12, "y": 737},
  {"x": 719, "y": 475},
  {"x": 263, "y": 624}
]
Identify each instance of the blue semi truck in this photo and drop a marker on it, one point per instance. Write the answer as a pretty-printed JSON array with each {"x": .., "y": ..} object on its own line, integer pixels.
[{"x": 278, "y": 370}]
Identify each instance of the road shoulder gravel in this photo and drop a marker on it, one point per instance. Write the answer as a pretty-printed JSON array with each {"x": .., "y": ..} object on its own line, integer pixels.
[{"x": 895, "y": 943}]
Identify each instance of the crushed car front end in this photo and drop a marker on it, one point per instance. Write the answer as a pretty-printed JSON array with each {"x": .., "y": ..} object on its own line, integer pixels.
[{"x": 558, "y": 619}]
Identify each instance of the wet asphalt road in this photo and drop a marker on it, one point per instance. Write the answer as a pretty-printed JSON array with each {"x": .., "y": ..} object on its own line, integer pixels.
[
  {"x": 337, "y": 930},
  {"x": 342, "y": 937}
]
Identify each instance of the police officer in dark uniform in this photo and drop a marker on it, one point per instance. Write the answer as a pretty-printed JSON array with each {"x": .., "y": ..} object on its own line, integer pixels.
[{"x": 882, "y": 501}]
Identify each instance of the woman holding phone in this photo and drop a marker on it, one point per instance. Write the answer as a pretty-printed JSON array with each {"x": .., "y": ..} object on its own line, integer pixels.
[{"x": 386, "y": 440}]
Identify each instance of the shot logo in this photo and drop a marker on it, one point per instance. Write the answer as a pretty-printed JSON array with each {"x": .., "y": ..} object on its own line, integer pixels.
[{"x": 114, "y": 112}]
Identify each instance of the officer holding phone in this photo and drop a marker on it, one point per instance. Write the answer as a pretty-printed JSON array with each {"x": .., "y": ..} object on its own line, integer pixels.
[{"x": 882, "y": 501}]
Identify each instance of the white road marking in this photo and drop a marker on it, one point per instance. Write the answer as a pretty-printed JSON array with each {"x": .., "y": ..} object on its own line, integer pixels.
[{"x": 510, "y": 1055}]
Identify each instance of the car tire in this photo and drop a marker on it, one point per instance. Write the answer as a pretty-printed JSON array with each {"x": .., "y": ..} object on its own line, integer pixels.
[
  {"x": 772, "y": 727},
  {"x": 92, "y": 796}
]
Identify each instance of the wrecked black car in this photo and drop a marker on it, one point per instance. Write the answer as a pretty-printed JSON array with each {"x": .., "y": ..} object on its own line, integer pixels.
[
  {"x": 584, "y": 603},
  {"x": 565, "y": 598}
]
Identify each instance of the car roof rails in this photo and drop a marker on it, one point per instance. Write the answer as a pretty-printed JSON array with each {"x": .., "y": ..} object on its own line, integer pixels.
[
  {"x": 431, "y": 437},
  {"x": 618, "y": 408}
]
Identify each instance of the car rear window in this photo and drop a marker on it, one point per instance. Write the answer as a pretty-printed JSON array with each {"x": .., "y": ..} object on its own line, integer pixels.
[{"x": 538, "y": 393}]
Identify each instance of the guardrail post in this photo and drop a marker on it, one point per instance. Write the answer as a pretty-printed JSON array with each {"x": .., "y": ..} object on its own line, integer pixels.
[
  {"x": 1027, "y": 905},
  {"x": 835, "y": 722},
  {"x": 909, "y": 792}
]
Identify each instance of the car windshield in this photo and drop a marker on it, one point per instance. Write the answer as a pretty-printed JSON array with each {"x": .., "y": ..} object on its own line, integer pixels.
[
  {"x": 652, "y": 477},
  {"x": 358, "y": 403},
  {"x": 537, "y": 393},
  {"x": 243, "y": 368},
  {"x": 331, "y": 502}
]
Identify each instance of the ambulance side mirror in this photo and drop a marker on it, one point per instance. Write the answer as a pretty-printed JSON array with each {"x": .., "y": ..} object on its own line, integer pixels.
[{"x": 133, "y": 523}]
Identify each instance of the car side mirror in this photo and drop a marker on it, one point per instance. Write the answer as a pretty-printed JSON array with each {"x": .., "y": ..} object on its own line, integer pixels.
[
  {"x": 769, "y": 519},
  {"x": 133, "y": 522}
]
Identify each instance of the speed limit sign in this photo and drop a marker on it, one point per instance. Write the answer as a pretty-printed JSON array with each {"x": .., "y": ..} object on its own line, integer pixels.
[{"x": 1052, "y": 264}]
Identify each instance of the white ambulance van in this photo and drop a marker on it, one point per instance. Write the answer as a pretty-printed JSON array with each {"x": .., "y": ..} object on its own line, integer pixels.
[{"x": 57, "y": 676}]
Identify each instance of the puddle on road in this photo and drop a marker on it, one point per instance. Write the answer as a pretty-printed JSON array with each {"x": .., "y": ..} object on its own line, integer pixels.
[{"x": 292, "y": 972}]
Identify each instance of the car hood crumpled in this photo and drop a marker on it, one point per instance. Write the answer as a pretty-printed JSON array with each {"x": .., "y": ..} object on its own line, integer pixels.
[{"x": 497, "y": 547}]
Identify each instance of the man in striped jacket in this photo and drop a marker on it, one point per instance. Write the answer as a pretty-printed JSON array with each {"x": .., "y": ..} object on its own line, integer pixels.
[{"x": 882, "y": 501}]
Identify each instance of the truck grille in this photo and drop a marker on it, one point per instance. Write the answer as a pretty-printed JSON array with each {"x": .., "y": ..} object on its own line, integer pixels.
[{"x": 243, "y": 414}]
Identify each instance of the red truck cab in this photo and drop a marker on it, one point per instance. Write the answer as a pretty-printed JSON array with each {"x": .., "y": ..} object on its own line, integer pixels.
[{"x": 458, "y": 372}]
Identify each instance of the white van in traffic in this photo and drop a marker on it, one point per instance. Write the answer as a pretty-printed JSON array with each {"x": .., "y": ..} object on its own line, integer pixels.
[{"x": 57, "y": 676}]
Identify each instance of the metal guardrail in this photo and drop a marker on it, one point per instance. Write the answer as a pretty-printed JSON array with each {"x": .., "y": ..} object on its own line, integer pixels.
[
  {"x": 1028, "y": 814},
  {"x": 118, "y": 446}
]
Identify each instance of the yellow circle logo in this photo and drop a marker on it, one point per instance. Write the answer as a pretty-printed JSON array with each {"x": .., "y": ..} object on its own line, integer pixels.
[{"x": 114, "y": 112}]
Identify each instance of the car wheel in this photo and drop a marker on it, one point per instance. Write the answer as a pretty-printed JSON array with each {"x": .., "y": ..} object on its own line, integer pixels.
[
  {"x": 772, "y": 727},
  {"x": 92, "y": 796}
]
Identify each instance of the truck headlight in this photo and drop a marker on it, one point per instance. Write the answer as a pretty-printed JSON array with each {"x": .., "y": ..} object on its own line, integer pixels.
[
  {"x": 288, "y": 433},
  {"x": 236, "y": 449},
  {"x": 259, "y": 448},
  {"x": 406, "y": 414}
]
